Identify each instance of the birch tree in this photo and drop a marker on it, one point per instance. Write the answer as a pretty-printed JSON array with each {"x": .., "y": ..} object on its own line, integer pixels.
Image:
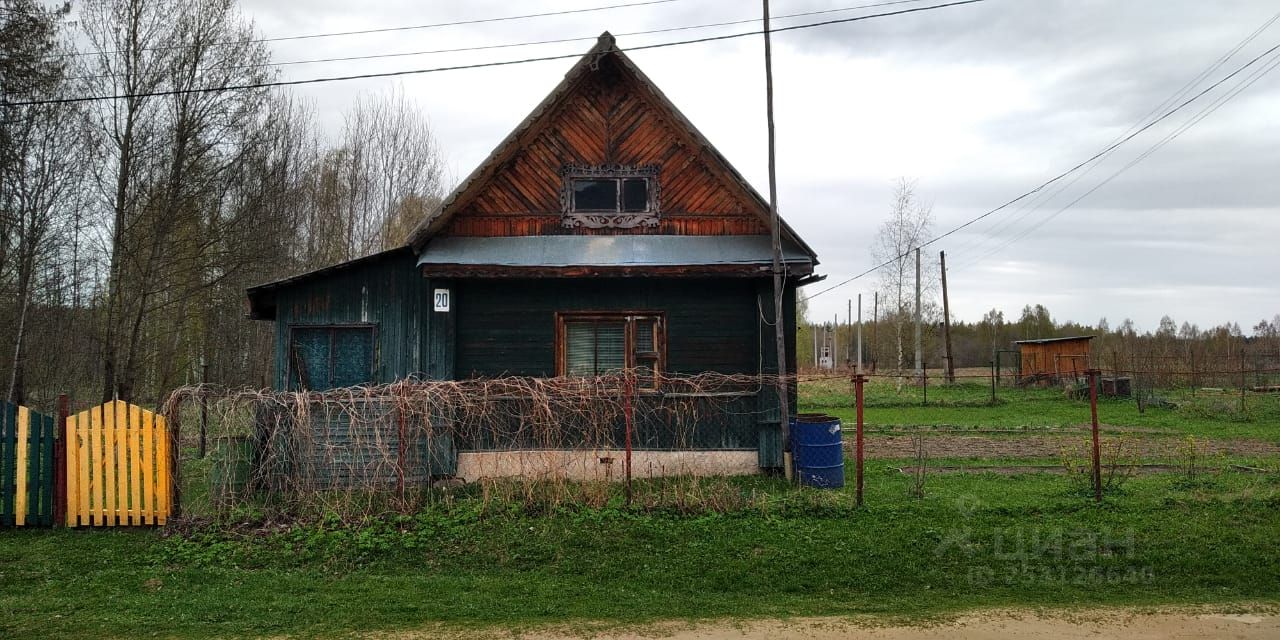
[{"x": 906, "y": 229}]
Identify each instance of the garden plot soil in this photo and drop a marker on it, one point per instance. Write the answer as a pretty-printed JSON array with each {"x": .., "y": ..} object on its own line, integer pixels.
[{"x": 1041, "y": 446}]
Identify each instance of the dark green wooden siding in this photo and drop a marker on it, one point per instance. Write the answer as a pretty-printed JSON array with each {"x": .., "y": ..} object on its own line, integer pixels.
[
  {"x": 507, "y": 327},
  {"x": 387, "y": 294}
]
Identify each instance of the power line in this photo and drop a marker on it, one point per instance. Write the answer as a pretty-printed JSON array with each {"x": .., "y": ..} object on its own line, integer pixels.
[
  {"x": 481, "y": 65},
  {"x": 1064, "y": 174},
  {"x": 1191, "y": 122},
  {"x": 388, "y": 29},
  {"x": 1040, "y": 200},
  {"x": 535, "y": 42}
]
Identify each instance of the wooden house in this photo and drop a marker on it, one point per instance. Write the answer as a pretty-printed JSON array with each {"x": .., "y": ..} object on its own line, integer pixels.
[
  {"x": 603, "y": 232},
  {"x": 1053, "y": 359}
]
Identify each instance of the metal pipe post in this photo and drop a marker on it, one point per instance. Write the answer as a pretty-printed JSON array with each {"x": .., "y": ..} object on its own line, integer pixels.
[
  {"x": 1097, "y": 447},
  {"x": 858, "y": 382}
]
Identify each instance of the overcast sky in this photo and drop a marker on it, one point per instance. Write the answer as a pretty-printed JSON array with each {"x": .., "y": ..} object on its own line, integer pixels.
[{"x": 977, "y": 103}]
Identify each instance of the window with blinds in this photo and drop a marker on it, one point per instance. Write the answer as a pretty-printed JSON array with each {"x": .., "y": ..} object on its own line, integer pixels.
[{"x": 596, "y": 344}]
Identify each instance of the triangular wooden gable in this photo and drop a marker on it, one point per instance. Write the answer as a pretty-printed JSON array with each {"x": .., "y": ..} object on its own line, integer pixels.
[{"x": 605, "y": 112}]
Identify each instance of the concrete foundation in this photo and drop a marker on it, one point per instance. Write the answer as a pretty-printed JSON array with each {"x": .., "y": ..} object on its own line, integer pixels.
[{"x": 603, "y": 464}]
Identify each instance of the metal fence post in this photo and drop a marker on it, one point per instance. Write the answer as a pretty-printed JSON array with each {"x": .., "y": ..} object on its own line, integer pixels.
[
  {"x": 1242, "y": 370},
  {"x": 1097, "y": 449},
  {"x": 858, "y": 382},
  {"x": 628, "y": 409},
  {"x": 924, "y": 382},
  {"x": 993, "y": 382},
  {"x": 401, "y": 449}
]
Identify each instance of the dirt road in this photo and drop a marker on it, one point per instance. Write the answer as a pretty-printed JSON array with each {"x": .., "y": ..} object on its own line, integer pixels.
[{"x": 985, "y": 626}]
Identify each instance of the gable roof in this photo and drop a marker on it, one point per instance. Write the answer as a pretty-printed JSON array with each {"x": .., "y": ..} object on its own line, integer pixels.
[{"x": 605, "y": 46}]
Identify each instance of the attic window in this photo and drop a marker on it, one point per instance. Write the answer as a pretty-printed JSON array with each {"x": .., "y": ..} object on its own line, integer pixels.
[
  {"x": 611, "y": 195},
  {"x": 604, "y": 196}
]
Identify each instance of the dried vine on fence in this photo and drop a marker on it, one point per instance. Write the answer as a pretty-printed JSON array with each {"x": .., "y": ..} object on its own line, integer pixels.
[{"x": 359, "y": 451}]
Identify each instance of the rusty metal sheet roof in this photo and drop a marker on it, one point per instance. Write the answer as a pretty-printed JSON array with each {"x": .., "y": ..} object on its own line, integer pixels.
[
  {"x": 605, "y": 251},
  {"x": 1048, "y": 340}
]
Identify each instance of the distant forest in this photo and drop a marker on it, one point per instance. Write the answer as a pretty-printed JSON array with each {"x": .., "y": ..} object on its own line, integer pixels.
[{"x": 975, "y": 342}]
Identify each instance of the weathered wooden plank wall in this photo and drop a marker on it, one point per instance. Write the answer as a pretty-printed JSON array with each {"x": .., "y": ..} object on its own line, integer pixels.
[
  {"x": 389, "y": 294},
  {"x": 1044, "y": 359}
]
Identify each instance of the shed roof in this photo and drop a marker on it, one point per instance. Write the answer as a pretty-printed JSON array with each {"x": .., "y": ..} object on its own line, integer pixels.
[{"x": 1048, "y": 340}]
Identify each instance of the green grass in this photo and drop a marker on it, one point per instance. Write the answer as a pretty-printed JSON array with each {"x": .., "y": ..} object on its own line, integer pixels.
[
  {"x": 974, "y": 541},
  {"x": 738, "y": 548},
  {"x": 1206, "y": 414}
]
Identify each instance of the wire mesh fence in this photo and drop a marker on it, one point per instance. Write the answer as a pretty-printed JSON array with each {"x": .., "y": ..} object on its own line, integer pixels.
[{"x": 353, "y": 452}]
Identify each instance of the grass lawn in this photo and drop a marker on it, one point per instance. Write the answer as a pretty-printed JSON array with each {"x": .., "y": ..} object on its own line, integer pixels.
[
  {"x": 973, "y": 541},
  {"x": 1204, "y": 414},
  {"x": 734, "y": 548}
]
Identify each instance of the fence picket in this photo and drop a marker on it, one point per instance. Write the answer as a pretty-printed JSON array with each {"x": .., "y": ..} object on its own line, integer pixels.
[
  {"x": 8, "y": 461},
  {"x": 135, "y": 465},
  {"x": 162, "y": 470},
  {"x": 48, "y": 472},
  {"x": 148, "y": 486},
  {"x": 122, "y": 466},
  {"x": 22, "y": 466},
  {"x": 99, "y": 480},
  {"x": 71, "y": 469}
]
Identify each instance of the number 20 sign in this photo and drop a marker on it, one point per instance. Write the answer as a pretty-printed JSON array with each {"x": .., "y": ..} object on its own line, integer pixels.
[{"x": 441, "y": 298}]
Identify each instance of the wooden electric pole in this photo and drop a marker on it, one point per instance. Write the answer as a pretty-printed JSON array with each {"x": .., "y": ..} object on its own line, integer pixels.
[
  {"x": 848, "y": 322},
  {"x": 946, "y": 320},
  {"x": 779, "y": 282},
  {"x": 919, "y": 356},
  {"x": 859, "y": 334},
  {"x": 875, "y": 322}
]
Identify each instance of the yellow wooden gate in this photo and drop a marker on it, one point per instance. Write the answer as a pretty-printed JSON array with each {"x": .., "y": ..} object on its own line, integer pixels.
[{"x": 117, "y": 467}]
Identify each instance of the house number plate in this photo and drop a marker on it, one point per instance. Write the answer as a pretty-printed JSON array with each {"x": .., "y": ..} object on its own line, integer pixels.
[{"x": 441, "y": 299}]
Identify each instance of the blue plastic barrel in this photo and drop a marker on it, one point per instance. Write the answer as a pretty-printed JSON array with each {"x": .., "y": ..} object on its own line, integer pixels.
[{"x": 818, "y": 451}]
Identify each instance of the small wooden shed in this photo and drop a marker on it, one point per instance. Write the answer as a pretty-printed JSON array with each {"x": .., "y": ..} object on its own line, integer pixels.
[{"x": 1053, "y": 359}]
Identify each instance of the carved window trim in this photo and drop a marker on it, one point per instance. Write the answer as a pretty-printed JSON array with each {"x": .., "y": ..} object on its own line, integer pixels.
[{"x": 609, "y": 219}]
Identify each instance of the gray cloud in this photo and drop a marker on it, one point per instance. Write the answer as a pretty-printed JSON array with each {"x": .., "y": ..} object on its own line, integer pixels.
[{"x": 980, "y": 102}]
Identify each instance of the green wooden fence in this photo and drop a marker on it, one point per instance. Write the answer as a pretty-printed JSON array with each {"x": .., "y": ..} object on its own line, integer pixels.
[{"x": 27, "y": 475}]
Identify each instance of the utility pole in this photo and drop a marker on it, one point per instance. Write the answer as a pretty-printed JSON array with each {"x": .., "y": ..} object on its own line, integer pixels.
[
  {"x": 859, "y": 334},
  {"x": 946, "y": 320},
  {"x": 875, "y": 322},
  {"x": 779, "y": 318},
  {"x": 848, "y": 321},
  {"x": 919, "y": 358},
  {"x": 835, "y": 342}
]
